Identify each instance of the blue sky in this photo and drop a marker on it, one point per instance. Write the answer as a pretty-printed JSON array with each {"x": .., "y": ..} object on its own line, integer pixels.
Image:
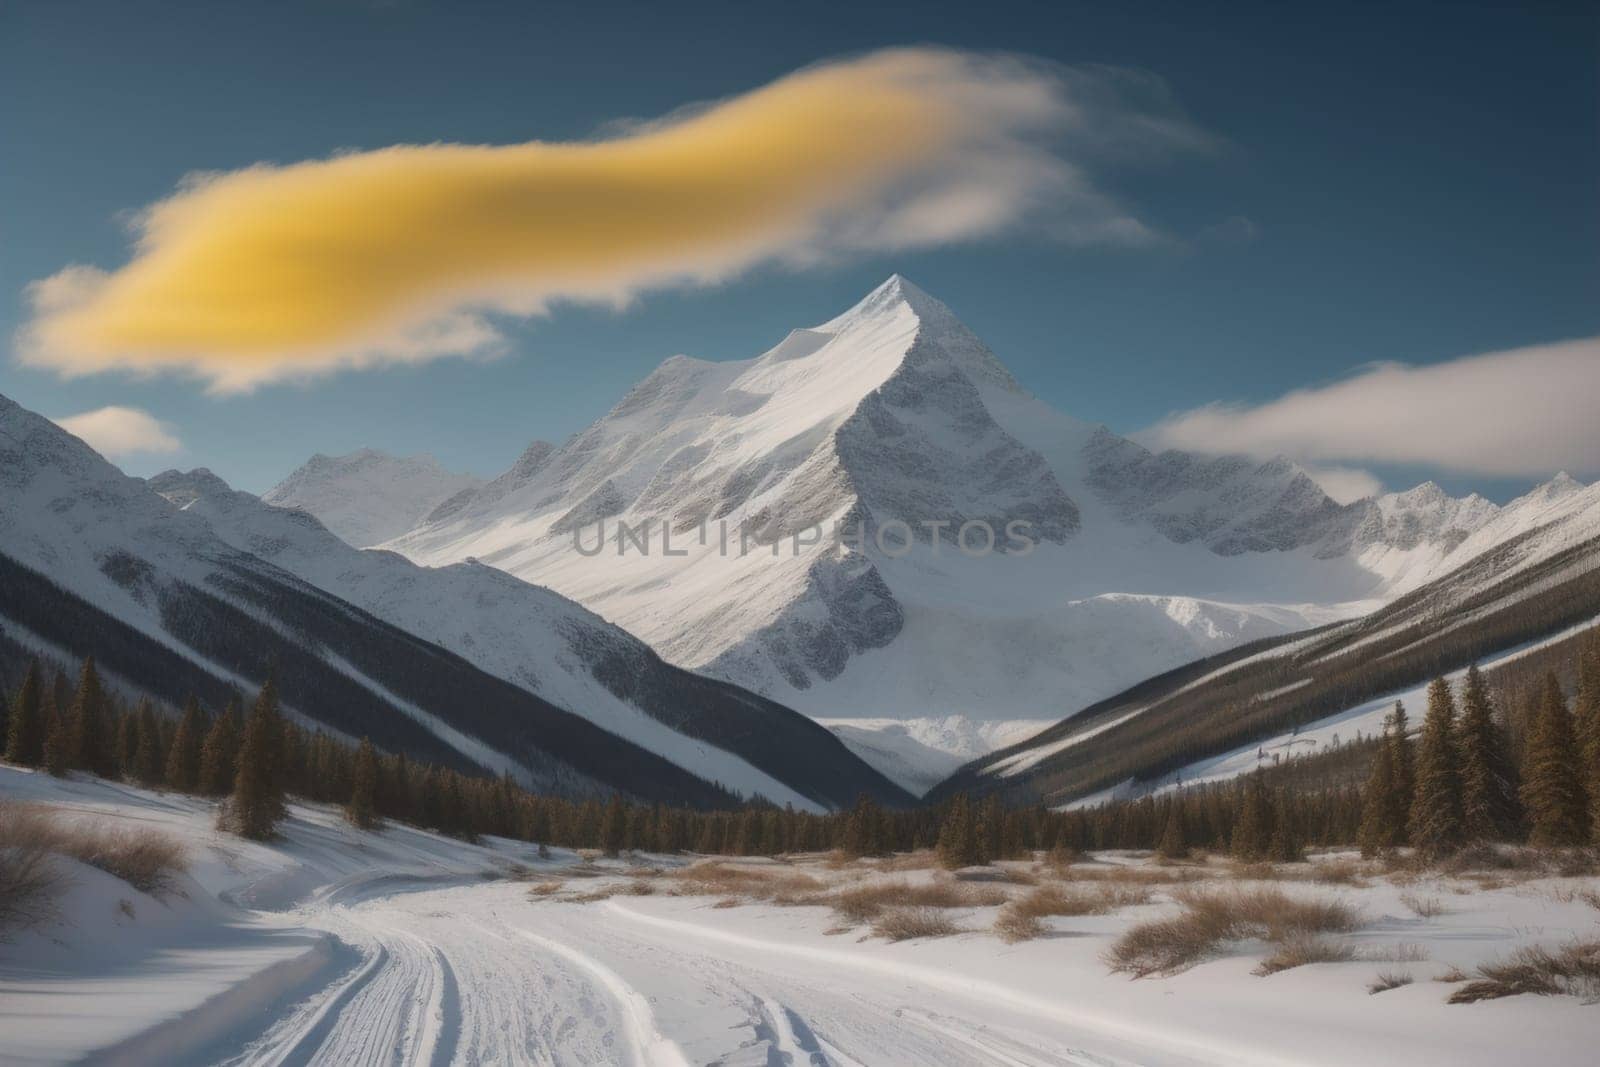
[{"x": 1387, "y": 182}]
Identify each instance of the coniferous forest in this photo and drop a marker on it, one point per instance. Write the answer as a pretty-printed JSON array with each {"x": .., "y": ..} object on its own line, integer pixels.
[{"x": 1515, "y": 763}]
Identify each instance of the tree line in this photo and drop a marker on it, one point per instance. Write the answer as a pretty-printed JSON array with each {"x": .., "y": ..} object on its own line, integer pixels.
[{"x": 1475, "y": 772}]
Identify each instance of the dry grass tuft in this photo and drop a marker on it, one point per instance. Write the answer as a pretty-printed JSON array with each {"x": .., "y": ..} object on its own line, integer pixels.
[
  {"x": 146, "y": 859},
  {"x": 1573, "y": 970},
  {"x": 778, "y": 885},
  {"x": 1388, "y": 980},
  {"x": 1012, "y": 926},
  {"x": 864, "y": 902},
  {"x": 542, "y": 890},
  {"x": 1423, "y": 907},
  {"x": 1302, "y": 949},
  {"x": 1165, "y": 946},
  {"x": 904, "y": 924},
  {"x": 1081, "y": 900}
]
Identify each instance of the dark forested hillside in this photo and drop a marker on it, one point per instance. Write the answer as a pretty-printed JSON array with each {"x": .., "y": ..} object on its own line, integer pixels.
[{"x": 1217, "y": 705}]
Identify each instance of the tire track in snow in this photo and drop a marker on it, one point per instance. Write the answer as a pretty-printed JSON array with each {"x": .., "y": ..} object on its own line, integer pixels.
[{"x": 651, "y": 1047}]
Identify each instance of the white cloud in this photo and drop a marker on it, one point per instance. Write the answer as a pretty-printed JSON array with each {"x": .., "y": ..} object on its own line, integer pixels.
[
  {"x": 1525, "y": 412},
  {"x": 1346, "y": 484},
  {"x": 118, "y": 431}
]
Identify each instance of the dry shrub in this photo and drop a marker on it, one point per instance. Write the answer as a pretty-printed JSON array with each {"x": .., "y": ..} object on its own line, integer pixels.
[
  {"x": 1342, "y": 871},
  {"x": 1303, "y": 949},
  {"x": 903, "y": 924},
  {"x": 29, "y": 882},
  {"x": 1423, "y": 907},
  {"x": 1453, "y": 974},
  {"x": 1012, "y": 926},
  {"x": 780, "y": 886},
  {"x": 924, "y": 859},
  {"x": 1164, "y": 946},
  {"x": 1581, "y": 895},
  {"x": 146, "y": 859},
  {"x": 1388, "y": 980},
  {"x": 1061, "y": 857},
  {"x": 1573, "y": 970},
  {"x": 1147, "y": 876},
  {"x": 864, "y": 902},
  {"x": 1081, "y": 900}
]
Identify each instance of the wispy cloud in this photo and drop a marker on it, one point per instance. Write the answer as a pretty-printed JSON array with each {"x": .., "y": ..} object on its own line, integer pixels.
[
  {"x": 118, "y": 431},
  {"x": 394, "y": 256},
  {"x": 1518, "y": 413}
]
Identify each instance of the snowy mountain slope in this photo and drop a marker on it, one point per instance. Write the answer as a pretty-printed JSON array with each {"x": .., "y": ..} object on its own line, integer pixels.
[
  {"x": 1536, "y": 586},
  {"x": 94, "y": 561},
  {"x": 369, "y": 496},
  {"x": 884, "y": 420},
  {"x": 550, "y": 646}
]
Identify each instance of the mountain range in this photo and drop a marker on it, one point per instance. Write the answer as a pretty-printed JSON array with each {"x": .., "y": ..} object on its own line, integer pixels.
[
  {"x": 182, "y": 585},
  {"x": 865, "y": 560},
  {"x": 803, "y": 510}
]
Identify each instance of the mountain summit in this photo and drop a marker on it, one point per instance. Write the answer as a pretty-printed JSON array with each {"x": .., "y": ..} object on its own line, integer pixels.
[{"x": 806, "y": 513}]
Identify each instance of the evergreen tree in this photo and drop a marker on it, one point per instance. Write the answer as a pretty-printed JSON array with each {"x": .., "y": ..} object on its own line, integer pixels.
[
  {"x": 1381, "y": 827},
  {"x": 26, "y": 731},
  {"x": 257, "y": 802},
  {"x": 1552, "y": 787},
  {"x": 219, "y": 754},
  {"x": 1586, "y": 715},
  {"x": 88, "y": 745},
  {"x": 183, "y": 758},
  {"x": 58, "y": 746},
  {"x": 1435, "y": 818},
  {"x": 861, "y": 836},
  {"x": 148, "y": 758},
  {"x": 614, "y": 826},
  {"x": 1285, "y": 844},
  {"x": 362, "y": 809},
  {"x": 1252, "y": 830},
  {"x": 1174, "y": 844},
  {"x": 127, "y": 734},
  {"x": 1490, "y": 810},
  {"x": 1405, "y": 778},
  {"x": 958, "y": 836}
]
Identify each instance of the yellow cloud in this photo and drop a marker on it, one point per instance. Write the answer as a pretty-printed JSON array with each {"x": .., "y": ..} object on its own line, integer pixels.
[{"x": 391, "y": 255}]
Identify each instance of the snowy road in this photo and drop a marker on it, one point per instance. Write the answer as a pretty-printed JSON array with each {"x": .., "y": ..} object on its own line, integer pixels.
[{"x": 476, "y": 974}]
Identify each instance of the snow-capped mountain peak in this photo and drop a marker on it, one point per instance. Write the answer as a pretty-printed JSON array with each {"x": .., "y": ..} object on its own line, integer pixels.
[{"x": 369, "y": 496}]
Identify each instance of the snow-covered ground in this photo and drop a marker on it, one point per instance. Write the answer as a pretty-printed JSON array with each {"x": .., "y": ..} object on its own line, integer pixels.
[{"x": 334, "y": 946}]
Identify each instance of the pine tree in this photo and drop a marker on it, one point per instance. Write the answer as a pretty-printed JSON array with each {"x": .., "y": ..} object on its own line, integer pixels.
[
  {"x": 1174, "y": 844},
  {"x": 219, "y": 754},
  {"x": 614, "y": 826},
  {"x": 1285, "y": 845},
  {"x": 183, "y": 759},
  {"x": 1490, "y": 810},
  {"x": 1252, "y": 830},
  {"x": 1586, "y": 713},
  {"x": 362, "y": 810},
  {"x": 958, "y": 836},
  {"x": 148, "y": 758},
  {"x": 127, "y": 734},
  {"x": 1435, "y": 818},
  {"x": 58, "y": 746},
  {"x": 257, "y": 802},
  {"x": 1405, "y": 778},
  {"x": 1380, "y": 801},
  {"x": 26, "y": 731},
  {"x": 1552, "y": 787},
  {"x": 88, "y": 746},
  {"x": 861, "y": 837}
]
